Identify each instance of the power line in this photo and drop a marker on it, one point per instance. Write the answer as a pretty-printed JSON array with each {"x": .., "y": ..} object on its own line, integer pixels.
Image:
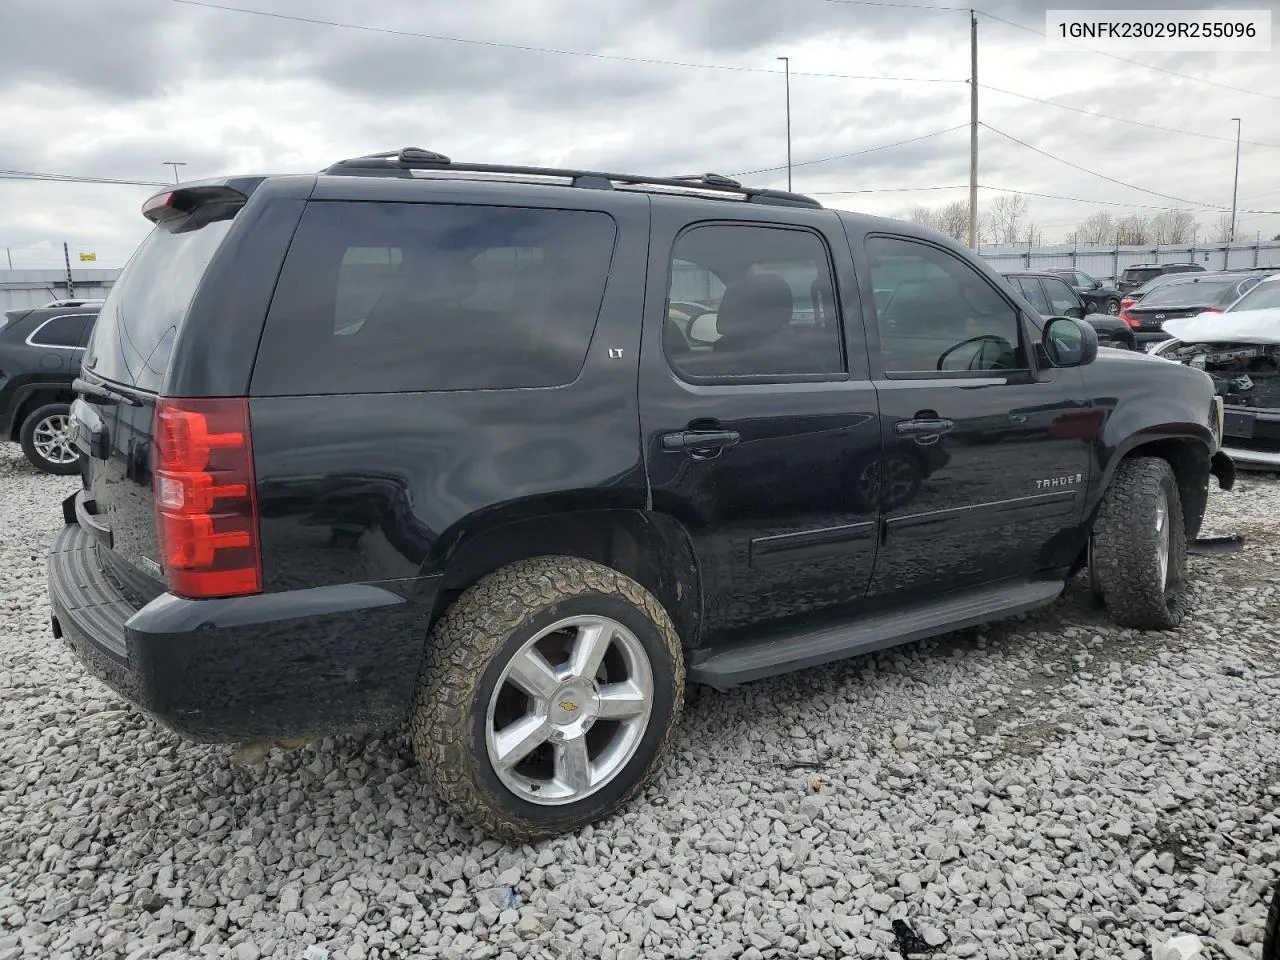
[
  {"x": 527, "y": 48},
  {"x": 839, "y": 193},
  {"x": 1121, "y": 203},
  {"x": 1136, "y": 63},
  {"x": 1095, "y": 173},
  {"x": 1136, "y": 123},
  {"x": 72, "y": 178},
  {"x": 857, "y": 153}
]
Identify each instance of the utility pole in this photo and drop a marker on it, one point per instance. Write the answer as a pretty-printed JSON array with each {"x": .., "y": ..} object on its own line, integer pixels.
[
  {"x": 1235, "y": 187},
  {"x": 66, "y": 258},
  {"x": 973, "y": 130},
  {"x": 786, "y": 62},
  {"x": 175, "y": 164}
]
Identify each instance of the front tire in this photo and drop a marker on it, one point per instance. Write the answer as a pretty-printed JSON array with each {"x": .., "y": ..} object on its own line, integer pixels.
[
  {"x": 1139, "y": 548},
  {"x": 550, "y": 691},
  {"x": 45, "y": 441}
]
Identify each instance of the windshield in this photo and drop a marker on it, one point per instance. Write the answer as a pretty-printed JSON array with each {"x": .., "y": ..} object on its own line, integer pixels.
[
  {"x": 139, "y": 320},
  {"x": 1264, "y": 296},
  {"x": 1201, "y": 291}
]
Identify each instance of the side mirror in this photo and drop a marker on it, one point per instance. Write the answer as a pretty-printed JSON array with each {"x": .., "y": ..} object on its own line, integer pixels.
[
  {"x": 1097, "y": 285},
  {"x": 1069, "y": 342},
  {"x": 1076, "y": 313}
]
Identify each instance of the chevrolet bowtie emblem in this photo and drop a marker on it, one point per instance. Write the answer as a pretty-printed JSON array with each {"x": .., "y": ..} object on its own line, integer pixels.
[{"x": 569, "y": 706}]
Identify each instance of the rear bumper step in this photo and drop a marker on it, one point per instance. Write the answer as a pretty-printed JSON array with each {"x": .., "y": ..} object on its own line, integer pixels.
[{"x": 301, "y": 663}]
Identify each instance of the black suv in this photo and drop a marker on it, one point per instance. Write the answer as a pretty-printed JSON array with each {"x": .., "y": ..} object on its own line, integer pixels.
[
  {"x": 411, "y": 440},
  {"x": 40, "y": 351},
  {"x": 1053, "y": 296},
  {"x": 1138, "y": 274},
  {"x": 1098, "y": 297}
]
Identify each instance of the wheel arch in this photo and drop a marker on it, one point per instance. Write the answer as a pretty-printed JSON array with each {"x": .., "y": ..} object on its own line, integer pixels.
[
  {"x": 649, "y": 547},
  {"x": 30, "y": 398},
  {"x": 1192, "y": 461}
]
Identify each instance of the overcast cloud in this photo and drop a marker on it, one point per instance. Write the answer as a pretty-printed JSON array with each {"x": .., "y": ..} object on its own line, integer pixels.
[{"x": 114, "y": 89}]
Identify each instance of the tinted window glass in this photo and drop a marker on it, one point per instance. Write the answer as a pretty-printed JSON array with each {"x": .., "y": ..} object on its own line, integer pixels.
[
  {"x": 61, "y": 331},
  {"x": 135, "y": 331},
  {"x": 392, "y": 297},
  {"x": 942, "y": 314},
  {"x": 1061, "y": 297},
  {"x": 769, "y": 299},
  {"x": 1034, "y": 293},
  {"x": 1264, "y": 296},
  {"x": 1200, "y": 291},
  {"x": 1141, "y": 275}
]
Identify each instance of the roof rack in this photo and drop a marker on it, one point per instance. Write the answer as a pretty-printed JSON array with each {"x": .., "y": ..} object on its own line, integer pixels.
[{"x": 402, "y": 163}]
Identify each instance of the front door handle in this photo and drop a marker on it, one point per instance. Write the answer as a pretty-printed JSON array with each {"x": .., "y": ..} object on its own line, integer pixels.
[
  {"x": 923, "y": 429},
  {"x": 699, "y": 440}
]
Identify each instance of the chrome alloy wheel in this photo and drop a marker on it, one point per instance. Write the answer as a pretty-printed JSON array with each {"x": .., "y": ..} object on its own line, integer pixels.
[{"x": 569, "y": 710}]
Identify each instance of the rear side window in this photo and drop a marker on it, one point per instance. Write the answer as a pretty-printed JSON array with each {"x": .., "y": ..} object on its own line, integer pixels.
[
  {"x": 64, "y": 332},
  {"x": 399, "y": 297},
  {"x": 139, "y": 321}
]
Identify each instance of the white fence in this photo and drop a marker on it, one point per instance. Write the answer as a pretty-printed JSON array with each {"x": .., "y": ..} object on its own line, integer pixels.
[
  {"x": 34, "y": 288},
  {"x": 1108, "y": 262}
]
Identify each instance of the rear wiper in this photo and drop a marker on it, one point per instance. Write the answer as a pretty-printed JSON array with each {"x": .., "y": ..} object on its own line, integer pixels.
[{"x": 103, "y": 393}]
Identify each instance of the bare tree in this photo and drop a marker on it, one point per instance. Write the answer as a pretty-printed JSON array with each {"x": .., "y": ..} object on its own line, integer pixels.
[
  {"x": 1096, "y": 228},
  {"x": 1173, "y": 226},
  {"x": 1222, "y": 228},
  {"x": 1004, "y": 219},
  {"x": 953, "y": 220},
  {"x": 924, "y": 217},
  {"x": 1034, "y": 235},
  {"x": 1133, "y": 229}
]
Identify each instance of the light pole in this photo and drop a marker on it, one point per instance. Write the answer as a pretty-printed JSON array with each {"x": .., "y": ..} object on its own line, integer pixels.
[
  {"x": 175, "y": 164},
  {"x": 786, "y": 61},
  {"x": 1235, "y": 187}
]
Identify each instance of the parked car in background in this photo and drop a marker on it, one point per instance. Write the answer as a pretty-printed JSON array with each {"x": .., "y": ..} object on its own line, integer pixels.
[
  {"x": 504, "y": 498},
  {"x": 1099, "y": 297},
  {"x": 1052, "y": 296},
  {"x": 1185, "y": 297},
  {"x": 1138, "y": 274},
  {"x": 1240, "y": 350},
  {"x": 40, "y": 352}
]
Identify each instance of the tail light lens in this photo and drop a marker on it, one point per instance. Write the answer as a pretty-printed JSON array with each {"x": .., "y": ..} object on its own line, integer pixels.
[
  {"x": 1128, "y": 302},
  {"x": 1130, "y": 320},
  {"x": 1211, "y": 310},
  {"x": 206, "y": 507}
]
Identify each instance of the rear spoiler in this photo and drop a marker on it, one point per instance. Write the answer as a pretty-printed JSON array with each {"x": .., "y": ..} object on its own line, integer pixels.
[{"x": 221, "y": 198}]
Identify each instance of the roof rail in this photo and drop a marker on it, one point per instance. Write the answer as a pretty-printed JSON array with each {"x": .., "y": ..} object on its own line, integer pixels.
[{"x": 402, "y": 163}]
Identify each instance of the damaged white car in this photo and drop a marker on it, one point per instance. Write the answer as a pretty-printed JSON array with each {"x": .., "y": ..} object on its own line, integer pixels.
[{"x": 1240, "y": 349}]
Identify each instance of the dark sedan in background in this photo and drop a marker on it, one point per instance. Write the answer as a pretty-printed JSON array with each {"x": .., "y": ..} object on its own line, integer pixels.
[
  {"x": 1098, "y": 297},
  {"x": 1185, "y": 296},
  {"x": 1052, "y": 296}
]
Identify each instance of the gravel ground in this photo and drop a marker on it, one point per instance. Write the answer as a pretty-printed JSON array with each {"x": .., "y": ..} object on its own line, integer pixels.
[{"x": 1050, "y": 787}]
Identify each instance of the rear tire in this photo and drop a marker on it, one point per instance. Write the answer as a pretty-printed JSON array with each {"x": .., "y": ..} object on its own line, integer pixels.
[
  {"x": 1271, "y": 936},
  {"x": 44, "y": 440},
  {"x": 1113, "y": 308},
  {"x": 1139, "y": 548},
  {"x": 522, "y": 729}
]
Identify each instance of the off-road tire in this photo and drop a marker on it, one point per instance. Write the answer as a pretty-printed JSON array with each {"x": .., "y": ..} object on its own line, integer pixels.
[
  {"x": 1271, "y": 935},
  {"x": 27, "y": 437},
  {"x": 1124, "y": 547},
  {"x": 466, "y": 653}
]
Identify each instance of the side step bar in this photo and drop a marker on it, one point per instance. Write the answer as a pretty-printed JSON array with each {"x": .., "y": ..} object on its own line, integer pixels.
[{"x": 796, "y": 650}]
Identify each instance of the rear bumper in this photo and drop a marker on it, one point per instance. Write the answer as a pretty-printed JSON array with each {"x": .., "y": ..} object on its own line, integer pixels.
[{"x": 303, "y": 663}]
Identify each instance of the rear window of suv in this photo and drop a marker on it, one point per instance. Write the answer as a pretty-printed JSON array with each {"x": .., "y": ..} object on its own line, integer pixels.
[
  {"x": 1141, "y": 275},
  {"x": 400, "y": 297},
  {"x": 139, "y": 320}
]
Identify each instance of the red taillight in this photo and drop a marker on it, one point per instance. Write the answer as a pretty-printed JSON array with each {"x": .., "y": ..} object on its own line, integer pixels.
[
  {"x": 1127, "y": 302},
  {"x": 1131, "y": 321},
  {"x": 203, "y": 488},
  {"x": 1210, "y": 310}
]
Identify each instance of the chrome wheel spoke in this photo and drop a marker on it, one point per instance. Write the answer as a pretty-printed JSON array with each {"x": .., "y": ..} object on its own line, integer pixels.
[
  {"x": 622, "y": 701},
  {"x": 573, "y": 764},
  {"x": 589, "y": 649},
  {"x": 531, "y": 673},
  {"x": 1162, "y": 539},
  {"x": 515, "y": 742}
]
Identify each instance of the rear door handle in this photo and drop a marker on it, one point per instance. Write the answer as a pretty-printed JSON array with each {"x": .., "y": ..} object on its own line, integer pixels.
[
  {"x": 687, "y": 440},
  {"x": 922, "y": 429}
]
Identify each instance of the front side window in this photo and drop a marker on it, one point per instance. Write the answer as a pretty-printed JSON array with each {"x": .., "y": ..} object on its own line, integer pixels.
[
  {"x": 400, "y": 297},
  {"x": 750, "y": 301},
  {"x": 939, "y": 313}
]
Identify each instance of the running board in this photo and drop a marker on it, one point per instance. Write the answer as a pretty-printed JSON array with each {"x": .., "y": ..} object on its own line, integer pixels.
[{"x": 798, "y": 649}]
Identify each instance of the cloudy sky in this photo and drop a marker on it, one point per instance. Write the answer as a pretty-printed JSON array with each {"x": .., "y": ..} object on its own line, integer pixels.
[{"x": 114, "y": 89}]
